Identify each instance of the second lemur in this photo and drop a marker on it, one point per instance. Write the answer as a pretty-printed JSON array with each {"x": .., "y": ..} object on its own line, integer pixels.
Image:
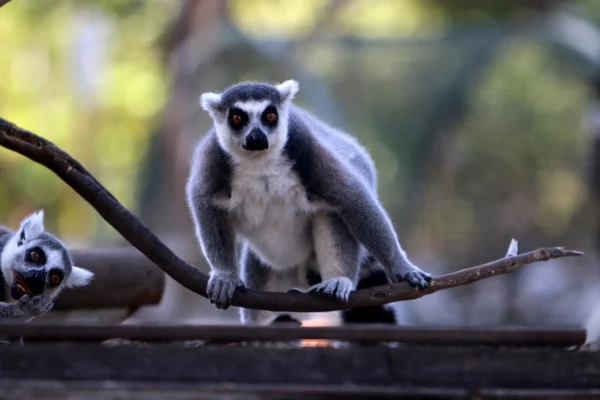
[
  {"x": 300, "y": 196},
  {"x": 35, "y": 268}
]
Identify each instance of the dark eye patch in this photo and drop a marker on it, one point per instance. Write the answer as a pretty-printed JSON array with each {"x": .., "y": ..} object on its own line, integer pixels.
[
  {"x": 55, "y": 277},
  {"x": 268, "y": 114},
  {"x": 31, "y": 258},
  {"x": 237, "y": 118}
]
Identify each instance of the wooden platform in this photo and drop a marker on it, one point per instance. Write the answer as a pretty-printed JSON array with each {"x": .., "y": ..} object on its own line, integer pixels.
[
  {"x": 366, "y": 371},
  {"x": 176, "y": 362}
]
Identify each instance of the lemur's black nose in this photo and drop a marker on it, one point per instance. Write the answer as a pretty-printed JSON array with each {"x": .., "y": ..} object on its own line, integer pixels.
[
  {"x": 256, "y": 140},
  {"x": 35, "y": 280}
]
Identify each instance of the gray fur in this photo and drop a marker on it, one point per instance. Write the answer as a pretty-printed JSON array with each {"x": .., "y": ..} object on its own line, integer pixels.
[
  {"x": 259, "y": 276},
  {"x": 309, "y": 201},
  {"x": 342, "y": 174},
  {"x": 26, "y": 308},
  {"x": 337, "y": 256},
  {"x": 14, "y": 247}
]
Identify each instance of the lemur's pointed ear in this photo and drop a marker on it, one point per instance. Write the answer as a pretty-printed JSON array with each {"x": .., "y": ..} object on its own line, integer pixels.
[
  {"x": 288, "y": 90},
  {"x": 31, "y": 226},
  {"x": 210, "y": 102},
  {"x": 79, "y": 277}
]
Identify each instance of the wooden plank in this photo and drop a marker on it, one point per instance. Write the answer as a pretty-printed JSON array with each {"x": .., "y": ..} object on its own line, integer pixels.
[
  {"x": 101, "y": 390},
  {"x": 364, "y": 333},
  {"x": 124, "y": 278},
  {"x": 24, "y": 390},
  {"x": 362, "y": 368}
]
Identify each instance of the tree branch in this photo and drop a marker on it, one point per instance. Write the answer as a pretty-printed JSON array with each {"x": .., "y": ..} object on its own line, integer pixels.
[{"x": 134, "y": 231}]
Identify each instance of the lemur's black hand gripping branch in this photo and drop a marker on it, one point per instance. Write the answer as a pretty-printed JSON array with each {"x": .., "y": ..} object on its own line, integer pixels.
[{"x": 134, "y": 231}]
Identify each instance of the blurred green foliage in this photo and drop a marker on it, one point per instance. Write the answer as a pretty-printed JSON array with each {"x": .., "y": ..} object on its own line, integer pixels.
[
  {"x": 106, "y": 127},
  {"x": 516, "y": 165},
  {"x": 360, "y": 18}
]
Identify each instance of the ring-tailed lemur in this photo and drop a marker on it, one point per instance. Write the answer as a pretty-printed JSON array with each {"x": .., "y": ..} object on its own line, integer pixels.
[
  {"x": 35, "y": 267},
  {"x": 300, "y": 195}
]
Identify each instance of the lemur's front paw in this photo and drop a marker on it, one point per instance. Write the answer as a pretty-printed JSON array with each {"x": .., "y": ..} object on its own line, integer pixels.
[
  {"x": 338, "y": 287},
  {"x": 221, "y": 287},
  {"x": 413, "y": 275},
  {"x": 35, "y": 306}
]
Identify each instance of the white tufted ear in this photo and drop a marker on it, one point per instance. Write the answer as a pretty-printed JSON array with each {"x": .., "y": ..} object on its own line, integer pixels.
[
  {"x": 31, "y": 226},
  {"x": 210, "y": 102},
  {"x": 288, "y": 90},
  {"x": 79, "y": 277}
]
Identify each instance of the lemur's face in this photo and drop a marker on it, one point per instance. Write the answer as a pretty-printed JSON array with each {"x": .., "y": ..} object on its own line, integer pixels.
[
  {"x": 35, "y": 262},
  {"x": 251, "y": 119}
]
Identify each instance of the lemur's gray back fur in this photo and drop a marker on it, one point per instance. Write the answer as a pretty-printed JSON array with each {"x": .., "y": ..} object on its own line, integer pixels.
[{"x": 340, "y": 144}]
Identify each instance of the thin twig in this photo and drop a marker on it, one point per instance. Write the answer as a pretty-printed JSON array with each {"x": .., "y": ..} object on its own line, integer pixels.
[{"x": 134, "y": 231}]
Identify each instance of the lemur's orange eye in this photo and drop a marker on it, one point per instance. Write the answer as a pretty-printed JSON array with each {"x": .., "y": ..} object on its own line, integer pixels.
[
  {"x": 236, "y": 119},
  {"x": 34, "y": 256},
  {"x": 271, "y": 117},
  {"x": 55, "y": 279}
]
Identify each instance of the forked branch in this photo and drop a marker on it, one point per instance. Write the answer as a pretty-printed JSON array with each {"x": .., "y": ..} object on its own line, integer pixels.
[{"x": 134, "y": 231}]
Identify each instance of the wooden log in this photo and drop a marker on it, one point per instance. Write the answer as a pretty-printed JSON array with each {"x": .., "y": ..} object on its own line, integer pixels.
[
  {"x": 124, "y": 277},
  {"x": 43, "y": 331},
  {"x": 372, "y": 369}
]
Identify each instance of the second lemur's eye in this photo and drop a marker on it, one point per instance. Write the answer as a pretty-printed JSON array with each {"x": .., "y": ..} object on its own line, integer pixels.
[
  {"x": 55, "y": 279},
  {"x": 34, "y": 256},
  {"x": 271, "y": 117},
  {"x": 236, "y": 119}
]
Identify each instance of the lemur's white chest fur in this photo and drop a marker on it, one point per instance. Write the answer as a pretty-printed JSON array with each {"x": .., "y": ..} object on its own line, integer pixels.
[{"x": 270, "y": 210}]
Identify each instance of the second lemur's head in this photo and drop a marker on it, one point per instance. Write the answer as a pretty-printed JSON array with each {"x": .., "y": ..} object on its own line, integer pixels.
[
  {"x": 251, "y": 118},
  {"x": 35, "y": 262}
]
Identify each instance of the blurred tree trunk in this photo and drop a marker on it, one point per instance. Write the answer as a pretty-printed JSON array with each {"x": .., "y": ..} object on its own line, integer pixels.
[
  {"x": 185, "y": 43},
  {"x": 190, "y": 39}
]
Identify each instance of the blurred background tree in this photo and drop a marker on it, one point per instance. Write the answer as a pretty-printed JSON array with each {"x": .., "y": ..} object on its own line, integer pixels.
[{"x": 472, "y": 111}]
